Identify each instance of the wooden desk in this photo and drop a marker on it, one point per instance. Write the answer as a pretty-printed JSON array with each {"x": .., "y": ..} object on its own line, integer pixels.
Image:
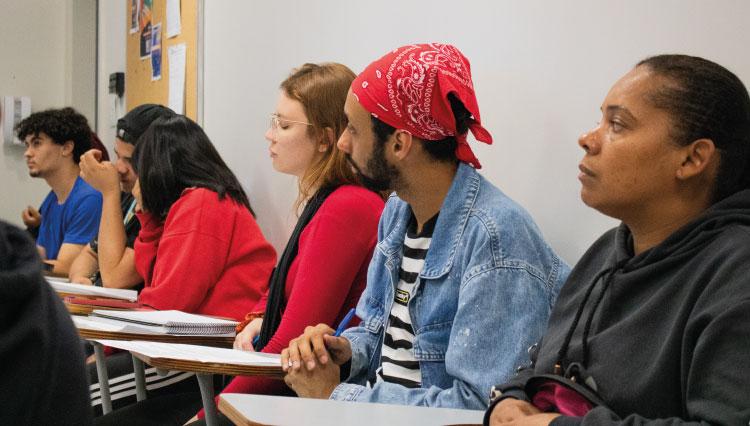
[
  {"x": 211, "y": 368},
  {"x": 92, "y": 334},
  {"x": 279, "y": 410},
  {"x": 204, "y": 372},
  {"x": 215, "y": 341},
  {"x": 182, "y": 360}
]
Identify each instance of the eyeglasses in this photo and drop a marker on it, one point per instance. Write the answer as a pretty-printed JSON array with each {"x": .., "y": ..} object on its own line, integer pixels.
[{"x": 277, "y": 121}]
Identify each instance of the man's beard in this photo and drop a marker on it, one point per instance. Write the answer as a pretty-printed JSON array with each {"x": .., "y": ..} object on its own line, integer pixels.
[{"x": 383, "y": 175}]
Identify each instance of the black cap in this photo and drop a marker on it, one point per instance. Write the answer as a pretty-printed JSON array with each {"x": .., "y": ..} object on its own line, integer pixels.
[{"x": 133, "y": 124}]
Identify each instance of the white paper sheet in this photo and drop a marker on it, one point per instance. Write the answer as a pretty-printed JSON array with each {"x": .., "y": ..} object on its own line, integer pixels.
[
  {"x": 177, "y": 57},
  {"x": 174, "y": 22},
  {"x": 195, "y": 353},
  {"x": 90, "y": 290}
]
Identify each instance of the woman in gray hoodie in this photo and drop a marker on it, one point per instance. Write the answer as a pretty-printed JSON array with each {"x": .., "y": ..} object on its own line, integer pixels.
[{"x": 653, "y": 325}]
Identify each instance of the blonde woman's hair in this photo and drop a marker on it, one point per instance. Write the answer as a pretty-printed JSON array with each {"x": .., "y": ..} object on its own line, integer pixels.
[{"x": 322, "y": 90}]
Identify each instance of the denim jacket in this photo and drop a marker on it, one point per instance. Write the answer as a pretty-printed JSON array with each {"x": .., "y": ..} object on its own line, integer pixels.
[{"x": 484, "y": 296}]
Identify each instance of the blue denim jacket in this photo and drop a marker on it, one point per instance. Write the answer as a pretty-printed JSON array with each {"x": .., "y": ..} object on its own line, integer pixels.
[{"x": 485, "y": 294}]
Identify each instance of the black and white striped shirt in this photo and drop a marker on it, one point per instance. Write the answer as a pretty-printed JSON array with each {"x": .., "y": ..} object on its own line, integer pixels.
[{"x": 397, "y": 362}]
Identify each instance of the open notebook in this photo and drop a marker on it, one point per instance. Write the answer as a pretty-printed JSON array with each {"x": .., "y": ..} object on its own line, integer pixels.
[
  {"x": 167, "y": 322},
  {"x": 61, "y": 286}
]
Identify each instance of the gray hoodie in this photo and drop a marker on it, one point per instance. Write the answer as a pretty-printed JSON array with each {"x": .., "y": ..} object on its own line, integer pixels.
[{"x": 669, "y": 335}]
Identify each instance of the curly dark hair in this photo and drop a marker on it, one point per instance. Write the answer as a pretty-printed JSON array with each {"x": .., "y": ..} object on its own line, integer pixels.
[{"x": 61, "y": 125}]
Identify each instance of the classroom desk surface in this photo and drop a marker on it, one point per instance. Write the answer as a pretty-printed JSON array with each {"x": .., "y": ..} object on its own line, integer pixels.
[
  {"x": 92, "y": 334},
  {"x": 278, "y": 410},
  {"x": 215, "y": 341},
  {"x": 211, "y": 368}
]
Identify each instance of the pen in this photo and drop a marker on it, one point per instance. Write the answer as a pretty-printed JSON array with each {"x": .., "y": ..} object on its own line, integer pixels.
[{"x": 344, "y": 323}]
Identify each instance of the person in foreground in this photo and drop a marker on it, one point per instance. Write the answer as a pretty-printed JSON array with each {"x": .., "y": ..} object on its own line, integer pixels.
[
  {"x": 42, "y": 379},
  {"x": 461, "y": 278},
  {"x": 108, "y": 260},
  {"x": 652, "y": 326},
  {"x": 69, "y": 216}
]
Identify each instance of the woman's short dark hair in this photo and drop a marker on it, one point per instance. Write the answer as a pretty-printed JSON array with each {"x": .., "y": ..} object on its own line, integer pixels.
[
  {"x": 707, "y": 101},
  {"x": 174, "y": 154},
  {"x": 61, "y": 125},
  {"x": 441, "y": 150}
]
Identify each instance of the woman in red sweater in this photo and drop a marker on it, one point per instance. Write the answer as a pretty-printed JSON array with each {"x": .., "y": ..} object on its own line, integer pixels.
[
  {"x": 199, "y": 249},
  {"x": 325, "y": 278}
]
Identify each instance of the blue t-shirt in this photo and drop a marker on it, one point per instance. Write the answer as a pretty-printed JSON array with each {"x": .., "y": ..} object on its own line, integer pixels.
[{"x": 76, "y": 221}]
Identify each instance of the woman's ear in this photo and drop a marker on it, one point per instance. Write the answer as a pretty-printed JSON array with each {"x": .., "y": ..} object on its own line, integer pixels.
[{"x": 699, "y": 158}]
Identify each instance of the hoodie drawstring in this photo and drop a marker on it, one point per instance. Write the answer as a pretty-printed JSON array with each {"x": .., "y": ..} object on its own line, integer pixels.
[{"x": 605, "y": 276}]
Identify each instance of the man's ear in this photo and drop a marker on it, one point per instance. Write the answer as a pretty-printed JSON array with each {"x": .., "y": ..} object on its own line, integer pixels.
[
  {"x": 403, "y": 143},
  {"x": 67, "y": 148},
  {"x": 698, "y": 158}
]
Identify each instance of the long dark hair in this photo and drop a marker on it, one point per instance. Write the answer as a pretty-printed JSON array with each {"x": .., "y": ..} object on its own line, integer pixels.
[
  {"x": 174, "y": 154},
  {"x": 707, "y": 101}
]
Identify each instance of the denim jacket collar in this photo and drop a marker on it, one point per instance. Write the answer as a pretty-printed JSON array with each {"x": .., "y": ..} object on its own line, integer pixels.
[{"x": 454, "y": 213}]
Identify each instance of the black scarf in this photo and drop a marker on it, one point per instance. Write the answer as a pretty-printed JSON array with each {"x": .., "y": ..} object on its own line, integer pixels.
[{"x": 276, "y": 300}]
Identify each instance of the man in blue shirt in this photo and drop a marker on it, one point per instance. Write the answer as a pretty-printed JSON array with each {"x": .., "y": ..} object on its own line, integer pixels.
[
  {"x": 69, "y": 215},
  {"x": 461, "y": 282}
]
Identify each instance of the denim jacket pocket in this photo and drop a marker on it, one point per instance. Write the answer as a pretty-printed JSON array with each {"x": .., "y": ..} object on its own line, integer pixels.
[
  {"x": 431, "y": 341},
  {"x": 374, "y": 321}
]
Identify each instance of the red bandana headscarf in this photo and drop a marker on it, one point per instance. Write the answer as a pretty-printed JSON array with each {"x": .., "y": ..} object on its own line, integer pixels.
[{"x": 408, "y": 89}]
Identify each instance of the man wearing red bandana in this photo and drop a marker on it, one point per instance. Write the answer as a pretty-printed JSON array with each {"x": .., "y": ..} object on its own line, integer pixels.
[{"x": 461, "y": 282}]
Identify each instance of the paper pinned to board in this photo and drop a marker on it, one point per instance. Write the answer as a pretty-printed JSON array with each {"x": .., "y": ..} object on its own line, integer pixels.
[
  {"x": 177, "y": 57},
  {"x": 174, "y": 22}
]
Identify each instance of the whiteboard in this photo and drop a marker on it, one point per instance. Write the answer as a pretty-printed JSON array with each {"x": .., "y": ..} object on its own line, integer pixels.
[{"x": 541, "y": 70}]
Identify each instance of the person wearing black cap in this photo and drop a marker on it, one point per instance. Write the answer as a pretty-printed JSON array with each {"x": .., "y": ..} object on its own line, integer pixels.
[
  {"x": 42, "y": 378},
  {"x": 111, "y": 262}
]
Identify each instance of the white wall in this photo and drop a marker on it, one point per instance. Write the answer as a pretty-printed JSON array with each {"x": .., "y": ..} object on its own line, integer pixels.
[
  {"x": 46, "y": 54},
  {"x": 81, "y": 36},
  {"x": 541, "y": 69},
  {"x": 32, "y": 63},
  {"x": 111, "y": 51}
]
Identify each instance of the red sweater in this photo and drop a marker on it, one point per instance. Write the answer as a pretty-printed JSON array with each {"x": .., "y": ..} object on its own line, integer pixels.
[
  {"x": 328, "y": 275},
  {"x": 208, "y": 257}
]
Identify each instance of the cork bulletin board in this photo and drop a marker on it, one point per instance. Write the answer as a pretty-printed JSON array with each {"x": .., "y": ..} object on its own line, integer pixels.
[{"x": 139, "y": 87}]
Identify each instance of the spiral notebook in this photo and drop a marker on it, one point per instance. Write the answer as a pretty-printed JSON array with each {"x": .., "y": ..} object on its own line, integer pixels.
[{"x": 170, "y": 322}]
